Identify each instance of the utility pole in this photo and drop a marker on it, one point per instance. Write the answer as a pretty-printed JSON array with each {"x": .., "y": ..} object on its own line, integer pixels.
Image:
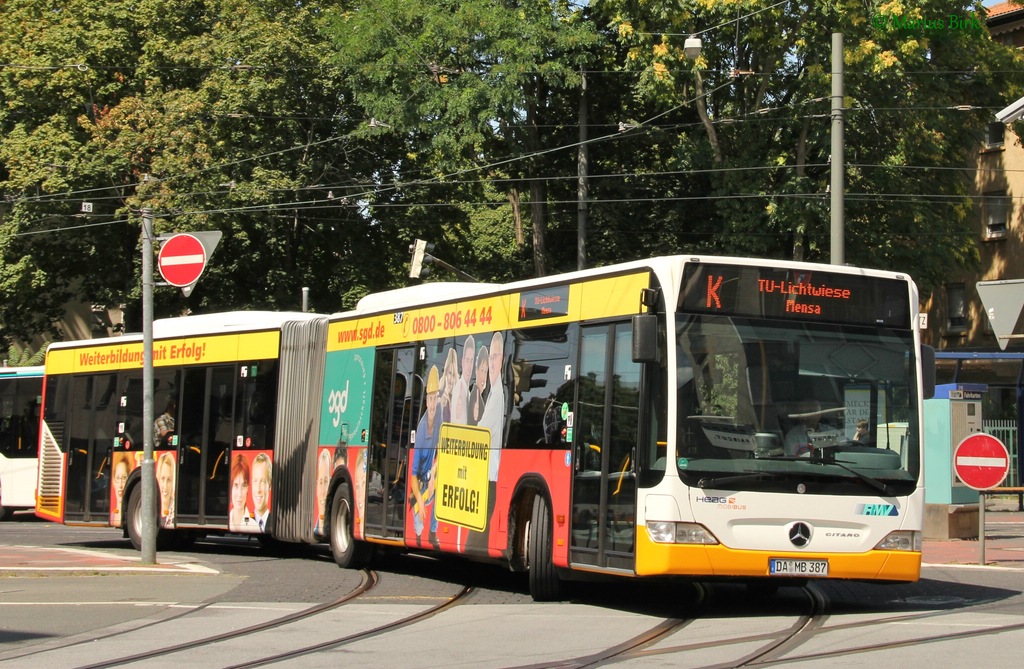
[
  {"x": 582, "y": 186},
  {"x": 149, "y": 528},
  {"x": 837, "y": 165}
]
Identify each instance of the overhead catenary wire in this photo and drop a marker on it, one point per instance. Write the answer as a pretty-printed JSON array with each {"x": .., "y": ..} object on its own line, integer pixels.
[{"x": 366, "y": 191}]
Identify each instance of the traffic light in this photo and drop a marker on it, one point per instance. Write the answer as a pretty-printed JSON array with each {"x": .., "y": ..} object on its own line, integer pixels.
[{"x": 420, "y": 258}]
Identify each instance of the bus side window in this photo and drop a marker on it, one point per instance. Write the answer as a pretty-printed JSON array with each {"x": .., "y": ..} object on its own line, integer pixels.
[{"x": 541, "y": 382}]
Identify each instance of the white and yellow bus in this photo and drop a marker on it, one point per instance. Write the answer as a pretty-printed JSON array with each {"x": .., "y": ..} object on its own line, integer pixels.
[
  {"x": 698, "y": 417},
  {"x": 20, "y": 394},
  {"x": 234, "y": 395}
]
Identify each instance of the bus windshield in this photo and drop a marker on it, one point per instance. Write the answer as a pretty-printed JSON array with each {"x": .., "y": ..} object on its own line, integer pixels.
[{"x": 764, "y": 404}]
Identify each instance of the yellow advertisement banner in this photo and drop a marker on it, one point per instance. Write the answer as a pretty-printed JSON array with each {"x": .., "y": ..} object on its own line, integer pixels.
[
  {"x": 462, "y": 461},
  {"x": 107, "y": 356},
  {"x": 612, "y": 296},
  {"x": 564, "y": 303}
]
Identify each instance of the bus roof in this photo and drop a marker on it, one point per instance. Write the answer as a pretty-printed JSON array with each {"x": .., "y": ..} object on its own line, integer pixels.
[
  {"x": 28, "y": 371},
  {"x": 231, "y": 321},
  {"x": 424, "y": 292},
  {"x": 670, "y": 267},
  {"x": 204, "y": 324}
]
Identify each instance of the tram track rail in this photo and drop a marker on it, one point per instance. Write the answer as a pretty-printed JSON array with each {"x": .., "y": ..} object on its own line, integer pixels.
[
  {"x": 705, "y": 625},
  {"x": 368, "y": 582},
  {"x": 891, "y": 645},
  {"x": 369, "y": 579},
  {"x": 629, "y": 648},
  {"x": 780, "y": 648},
  {"x": 331, "y": 644}
]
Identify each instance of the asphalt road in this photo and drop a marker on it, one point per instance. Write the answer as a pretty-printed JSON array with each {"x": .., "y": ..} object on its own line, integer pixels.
[{"x": 244, "y": 582}]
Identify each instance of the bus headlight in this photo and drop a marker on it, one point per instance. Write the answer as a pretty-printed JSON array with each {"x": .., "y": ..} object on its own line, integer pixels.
[
  {"x": 900, "y": 540},
  {"x": 662, "y": 532}
]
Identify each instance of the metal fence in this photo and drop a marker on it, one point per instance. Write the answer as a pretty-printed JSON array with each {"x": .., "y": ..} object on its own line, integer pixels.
[{"x": 1006, "y": 432}]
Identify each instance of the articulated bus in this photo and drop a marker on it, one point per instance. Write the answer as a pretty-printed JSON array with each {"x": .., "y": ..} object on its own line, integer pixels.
[
  {"x": 234, "y": 393},
  {"x": 21, "y": 390},
  {"x": 700, "y": 417}
]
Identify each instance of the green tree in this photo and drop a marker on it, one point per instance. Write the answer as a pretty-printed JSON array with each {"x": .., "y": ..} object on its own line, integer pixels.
[
  {"x": 471, "y": 89},
  {"x": 916, "y": 103},
  {"x": 216, "y": 115}
]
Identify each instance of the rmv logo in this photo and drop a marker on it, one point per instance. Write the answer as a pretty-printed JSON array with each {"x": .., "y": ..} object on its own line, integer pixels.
[{"x": 877, "y": 510}]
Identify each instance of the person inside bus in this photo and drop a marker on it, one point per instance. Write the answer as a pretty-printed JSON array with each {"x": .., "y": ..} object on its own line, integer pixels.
[
  {"x": 163, "y": 426},
  {"x": 798, "y": 439},
  {"x": 863, "y": 433}
]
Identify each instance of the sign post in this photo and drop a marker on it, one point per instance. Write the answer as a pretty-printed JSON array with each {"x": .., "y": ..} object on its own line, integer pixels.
[
  {"x": 981, "y": 462},
  {"x": 181, "y": 261},
  {"x": 149, "y": 509}
]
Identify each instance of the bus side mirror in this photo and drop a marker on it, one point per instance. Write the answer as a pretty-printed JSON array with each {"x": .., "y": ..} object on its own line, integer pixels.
[
  {"x": 927, "y": 372},
  {"x": 645, "y": 338}
]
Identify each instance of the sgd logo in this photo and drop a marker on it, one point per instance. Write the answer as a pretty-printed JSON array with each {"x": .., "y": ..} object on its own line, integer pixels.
[{"x": 337, "y": 404}]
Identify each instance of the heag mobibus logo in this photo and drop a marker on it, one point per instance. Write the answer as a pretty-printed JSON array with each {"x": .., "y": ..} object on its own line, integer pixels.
[
  {"x": 711, "y": 499},
  {"x": 720, "y": 502}
]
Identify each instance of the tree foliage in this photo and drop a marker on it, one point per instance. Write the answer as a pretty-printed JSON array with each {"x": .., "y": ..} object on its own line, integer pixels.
[
  {"x": 217, "y": 115},
  {"x": 323, "y": 137},
  {"x": 916, "y": 102},
  {"x": 472, "y": 89}
]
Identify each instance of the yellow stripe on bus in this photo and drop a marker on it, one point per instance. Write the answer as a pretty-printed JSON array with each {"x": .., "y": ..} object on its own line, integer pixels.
[
  {"x": 589, "y": 300},
  {"x": 654, "y": 559},
  {"x": 166, "y": 353}
]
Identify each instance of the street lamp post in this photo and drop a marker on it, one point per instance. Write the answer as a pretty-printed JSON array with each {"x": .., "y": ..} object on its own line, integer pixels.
[{"x": 837, "y": 164}]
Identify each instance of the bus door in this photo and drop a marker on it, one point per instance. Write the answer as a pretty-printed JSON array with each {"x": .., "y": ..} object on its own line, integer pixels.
[
  {"x": 396, "y": 393},
  {"x": 205, "y": 430},
  {"x": 91, "y": 428},
  {"x": 607, "y": 419}
]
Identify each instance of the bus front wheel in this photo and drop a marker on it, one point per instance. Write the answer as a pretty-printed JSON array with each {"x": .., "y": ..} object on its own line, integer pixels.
[
  {"x": 348, "y": 552},
  {"x": 545, "y": 584}
]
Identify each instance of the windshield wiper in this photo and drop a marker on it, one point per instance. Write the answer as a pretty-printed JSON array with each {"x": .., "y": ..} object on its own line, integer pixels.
[
  {"x": 719, "y": 481},
  {"x": 871, "y": 481},
  {"x": 726, "y": 481}
]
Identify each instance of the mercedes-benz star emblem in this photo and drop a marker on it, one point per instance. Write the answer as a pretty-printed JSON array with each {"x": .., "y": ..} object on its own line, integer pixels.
[{"x": 799, "y": 534}]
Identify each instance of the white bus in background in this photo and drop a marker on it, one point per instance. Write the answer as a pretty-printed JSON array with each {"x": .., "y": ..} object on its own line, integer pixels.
[{"x": 21, "y": 389}]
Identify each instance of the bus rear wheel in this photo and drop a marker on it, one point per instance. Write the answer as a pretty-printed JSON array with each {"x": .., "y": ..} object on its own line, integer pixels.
[
  {"x": 545, "y": 584},
  {"x": 133, "y": 518},
  {"x": 165, "y": 539},
  {"x": 348, "y": 552}
]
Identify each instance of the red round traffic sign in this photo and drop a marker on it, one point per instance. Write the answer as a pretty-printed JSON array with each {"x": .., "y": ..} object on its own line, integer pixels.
[
  {"x": 981, "y": 461},
  {"x": 182, "y": 260}
]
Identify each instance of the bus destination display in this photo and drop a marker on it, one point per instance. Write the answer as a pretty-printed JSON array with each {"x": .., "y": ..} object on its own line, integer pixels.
[
  {"x": 768, "y": 292},
  {"x": 546, "y": 303}
]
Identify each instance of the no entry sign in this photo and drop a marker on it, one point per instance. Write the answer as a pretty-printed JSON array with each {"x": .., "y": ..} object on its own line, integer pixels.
[
  {"x": 182, "y": 260},
  {"x": 981, "y": 461}
]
